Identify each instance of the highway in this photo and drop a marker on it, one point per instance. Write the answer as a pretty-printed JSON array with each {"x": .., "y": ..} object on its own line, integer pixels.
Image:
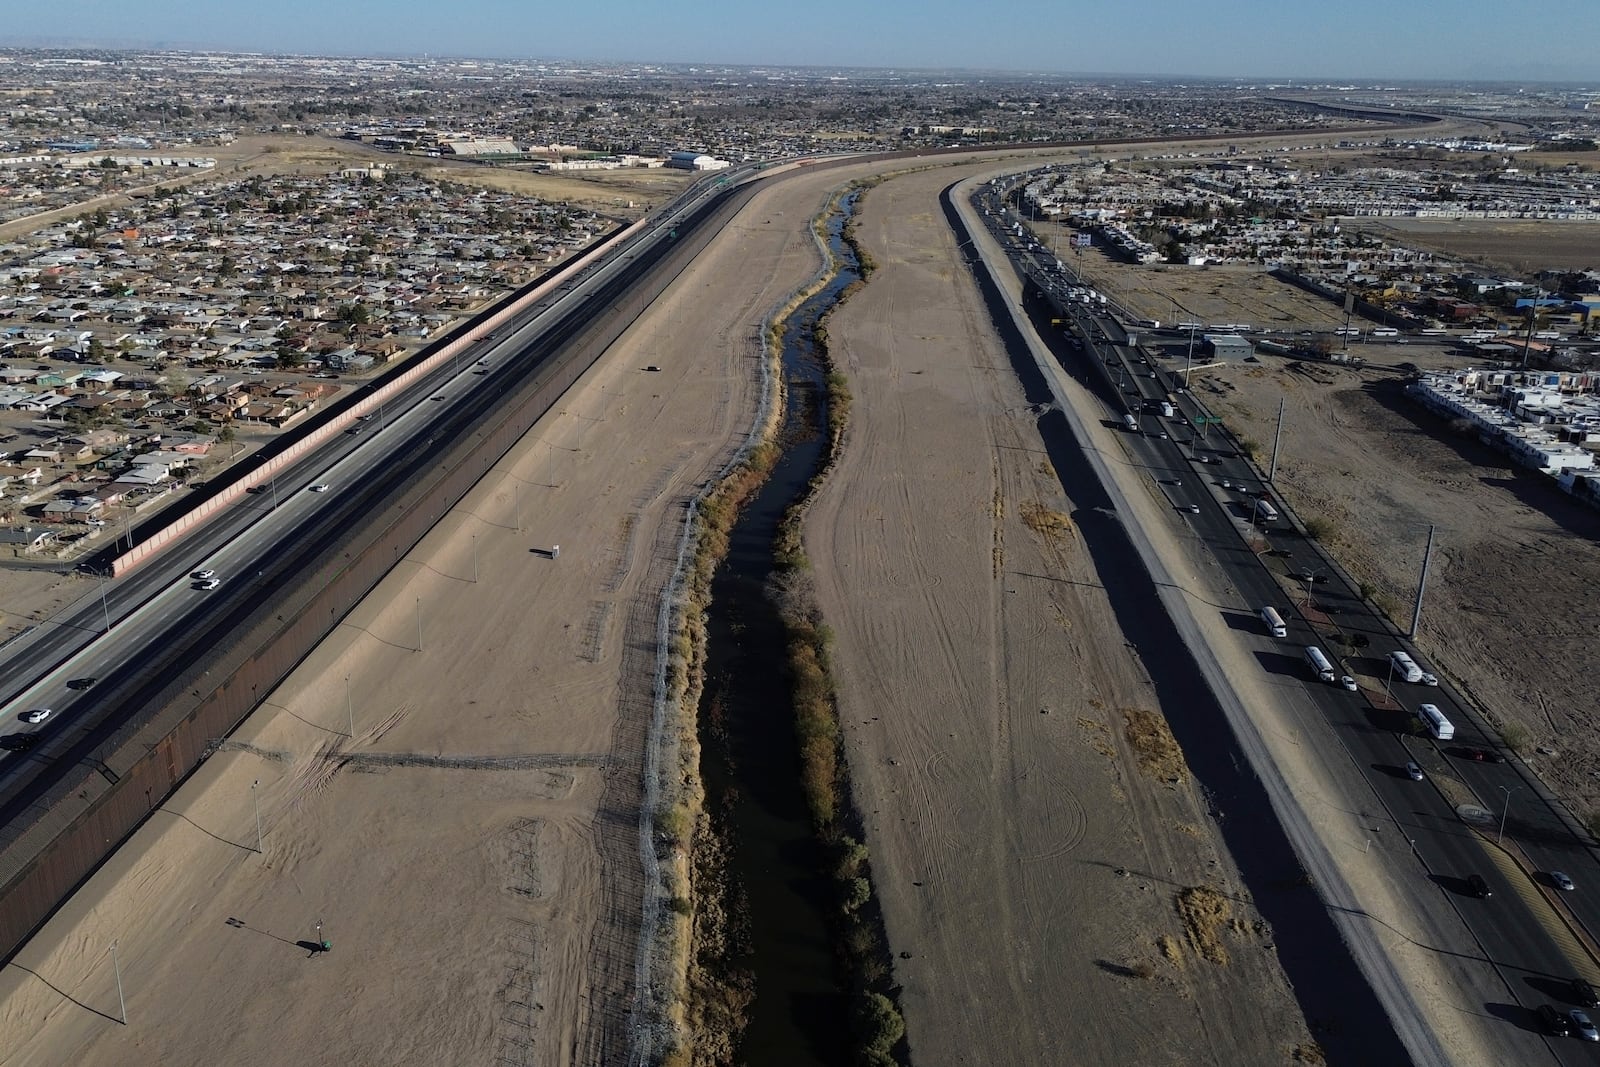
[
  {"x": 1519, "y": 930},
  {"x": 160, "y": 620}
]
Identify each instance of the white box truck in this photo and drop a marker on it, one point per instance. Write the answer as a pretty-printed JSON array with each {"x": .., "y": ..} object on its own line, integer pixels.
[
  {"x": 1439, "y": 726},
  {"x": 1320, "y": 665},
  {"x": 1405, "y": 667},
  {"x": 1274, "y": 622}
]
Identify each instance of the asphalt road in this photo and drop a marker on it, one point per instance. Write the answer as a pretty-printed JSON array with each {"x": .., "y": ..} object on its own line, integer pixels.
[{"x": 1518, "y": 930}]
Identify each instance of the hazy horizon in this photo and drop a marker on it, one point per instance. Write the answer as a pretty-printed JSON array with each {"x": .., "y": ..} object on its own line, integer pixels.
[{"x": 1250, "y": 40}]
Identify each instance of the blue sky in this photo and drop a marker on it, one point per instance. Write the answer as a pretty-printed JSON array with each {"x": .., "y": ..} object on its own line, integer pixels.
[{"x": 1280, "y": 39}]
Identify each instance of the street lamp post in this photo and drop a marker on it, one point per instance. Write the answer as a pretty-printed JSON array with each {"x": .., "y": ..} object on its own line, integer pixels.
[
  {"x": 116, "y": 967},
  {"x": 256, "y": 801},
  {"x": 1188, "y": 362},
  {"x": 1505, "y": 810},
  {"x": 104, "y": 606},
  {"x": 349, "y": 708}
]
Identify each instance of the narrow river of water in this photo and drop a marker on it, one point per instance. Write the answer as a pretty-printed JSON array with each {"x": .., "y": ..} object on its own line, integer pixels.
[{"x": 751, "y": 756}]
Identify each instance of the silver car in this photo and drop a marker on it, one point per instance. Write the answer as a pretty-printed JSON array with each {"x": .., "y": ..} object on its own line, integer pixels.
[{"x": 1582, "y": 1027}]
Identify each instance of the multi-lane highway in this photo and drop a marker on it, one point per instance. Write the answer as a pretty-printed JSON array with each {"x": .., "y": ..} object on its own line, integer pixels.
[
  {"x": 1533, "y": 934},
  {"x": 126, "y": 644}
]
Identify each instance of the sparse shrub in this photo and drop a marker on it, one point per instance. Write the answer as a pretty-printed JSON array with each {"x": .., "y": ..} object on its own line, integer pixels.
[
  {"x": 1515, "y": 735},
  {"x": 852, "y": 858},
  {"x": 856, "y": 893},
  {"x": 1591, "y": 821},
  {"x": 1319, "y": 529},
  {"x": 680, "y": 906},
  {"x": 880, "y": 1023},
  {"x": 674, "y": 824}
]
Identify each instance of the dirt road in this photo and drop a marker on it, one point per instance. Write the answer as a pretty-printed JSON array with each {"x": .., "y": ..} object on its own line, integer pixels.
[{"x": 1031, "y": 820}]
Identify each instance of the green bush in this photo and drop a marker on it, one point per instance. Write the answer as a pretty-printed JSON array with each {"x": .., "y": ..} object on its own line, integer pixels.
[{"x": 881, "y": 1025}]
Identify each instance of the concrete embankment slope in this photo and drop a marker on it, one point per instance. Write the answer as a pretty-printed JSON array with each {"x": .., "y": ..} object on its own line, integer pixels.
[{"x": 1268, "y": 831}]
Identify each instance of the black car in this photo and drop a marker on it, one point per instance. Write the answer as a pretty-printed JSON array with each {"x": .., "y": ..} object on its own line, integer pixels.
[
  {"x": 1584, "y": 994},
  {"x": 1554, "y": 1022},
  {"x": 82, "y": 683},
  {"x": 1479, "y": 887},
  {"x": 19, "y": 742}
]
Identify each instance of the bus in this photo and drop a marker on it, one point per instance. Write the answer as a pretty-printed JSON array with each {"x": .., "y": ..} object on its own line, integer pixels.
[
  {"x": 1274, "y": 622},
  {"x": 1320, "y": 665},
  {"x": 1385, "y": 331},
  {"x": 1405, "y": 667},
  {"x": 1440, "y": 727}
]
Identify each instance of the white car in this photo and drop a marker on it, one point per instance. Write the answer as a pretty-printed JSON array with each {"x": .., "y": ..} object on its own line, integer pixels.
[
  {"x": 209, "y": 584},
  {"x": 1348, "y": 682},
  {"x": 320, "y": 487},
  {"x": 1562, "y": 881},
  {"x": 1428, "y": 679},
  {"x": 37, "y": 715},
  {"x": 202, "y": 574}
]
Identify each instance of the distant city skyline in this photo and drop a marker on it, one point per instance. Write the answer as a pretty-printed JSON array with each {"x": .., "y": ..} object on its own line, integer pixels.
[{"x": 1459, "y": 40}]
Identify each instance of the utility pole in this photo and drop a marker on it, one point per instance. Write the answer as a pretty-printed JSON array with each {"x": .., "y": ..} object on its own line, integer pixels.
[
  {"x": 104, "y": 606},
  {"x": 1527, "y": 341},
  {"x": 1276, "y": 437},
  {"x": 1188, "y": 362},
  {"x": 419, "y": 624},
  {"x": 349, "y": 708},
  {"x": 474, "y": 559},
  {"x": 116, "y": 967},
  {"x": 1422, "y": 584},
  {"x": 516, "y": 495}
]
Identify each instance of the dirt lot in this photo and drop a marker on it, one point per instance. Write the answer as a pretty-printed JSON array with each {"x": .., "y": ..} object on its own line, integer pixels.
[
  {"x": 1050, "y": 879},
  {"x": 1508, "y": 613},
  {"x": 617, "y": 193},
  {"x": 1209, "y": 294},
  {"x": 477, "y": 914},
  {"x": 1519, "y": 247}
]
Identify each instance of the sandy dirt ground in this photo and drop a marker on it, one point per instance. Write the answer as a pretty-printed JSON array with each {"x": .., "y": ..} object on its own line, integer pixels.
[
  {"x": 472, "y": 852},
  {"x": 1032, "y": 825},
  {"x": 1523, "y": 247}
]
